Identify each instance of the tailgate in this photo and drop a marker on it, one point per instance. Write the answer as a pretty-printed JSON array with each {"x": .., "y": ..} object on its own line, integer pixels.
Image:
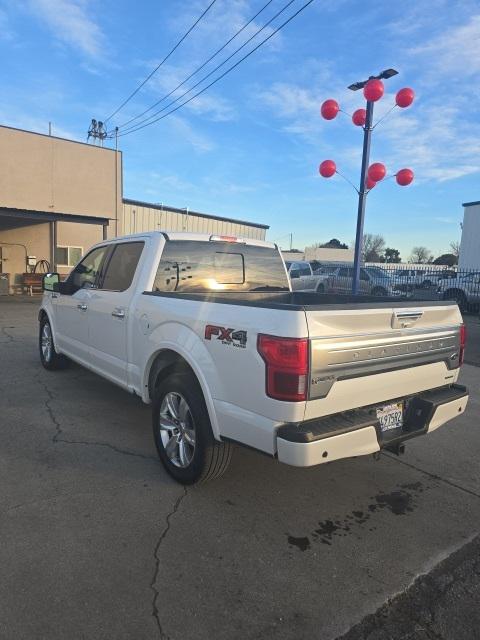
[{"x": 363, "y": 354}]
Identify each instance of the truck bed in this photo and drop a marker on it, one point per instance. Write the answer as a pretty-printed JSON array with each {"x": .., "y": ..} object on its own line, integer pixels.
[{"x": 300, "y": 300}]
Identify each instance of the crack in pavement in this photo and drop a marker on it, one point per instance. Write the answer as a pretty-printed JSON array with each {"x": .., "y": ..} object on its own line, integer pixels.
[
  {"x": 48, "y": 407},
  {"x": 93, "y": 443},
  {"x": 9, "y": 337},
  {"x": 58, "y": 432},
  {"x": 156, "y": 594},
  {"x": 431, "y": 475}
]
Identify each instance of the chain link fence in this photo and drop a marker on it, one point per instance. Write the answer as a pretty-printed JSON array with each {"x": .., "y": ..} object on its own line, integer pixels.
[{"x": 404, "y": 281}]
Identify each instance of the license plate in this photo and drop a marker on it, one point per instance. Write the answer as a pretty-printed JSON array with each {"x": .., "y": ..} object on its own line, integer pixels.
[{"x": 390, "y": 416}]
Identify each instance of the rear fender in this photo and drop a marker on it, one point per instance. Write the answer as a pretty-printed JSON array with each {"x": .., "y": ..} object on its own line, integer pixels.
[{"x": 187, "y": 344}]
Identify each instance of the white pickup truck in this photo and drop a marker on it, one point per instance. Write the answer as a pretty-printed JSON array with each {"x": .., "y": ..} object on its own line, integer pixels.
[{"x": 207, "y": 329}]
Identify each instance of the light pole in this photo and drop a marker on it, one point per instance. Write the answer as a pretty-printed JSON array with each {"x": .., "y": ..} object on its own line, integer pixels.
[
  {"x": 362, "y": 192},
  {"x": 369, "y": 175}
]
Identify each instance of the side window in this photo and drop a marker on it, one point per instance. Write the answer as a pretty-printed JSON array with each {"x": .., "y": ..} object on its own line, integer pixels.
[
  {"x": 364, "y": 275},
  {"x": 86, "y": 272},
  {"x": 343, "y": 272},
  {"x": 305, "y": 270},
  {"x": 122, "y": 266}
]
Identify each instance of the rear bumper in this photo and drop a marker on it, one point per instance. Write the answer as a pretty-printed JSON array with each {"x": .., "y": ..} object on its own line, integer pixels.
[{"x": 357, "y": 433}]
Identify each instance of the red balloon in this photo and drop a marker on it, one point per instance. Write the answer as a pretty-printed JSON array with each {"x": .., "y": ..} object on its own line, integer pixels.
[
  {"x": 327, "y": 168},
  {"x": 404, "y": 97},
  {"x": 373, "y": 90},
  {"x": 329, "y": 109},
  {"x": 370, "y": 183},
  {"x": 404, "y": 177},
  {"x": 376, "y": 171},
  {"x": 359, "y": 117}
]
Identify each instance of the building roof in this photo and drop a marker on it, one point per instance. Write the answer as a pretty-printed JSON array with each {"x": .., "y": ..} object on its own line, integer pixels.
[
  {"x": 51, "y": 216},
  {"x": 165, "y": 207},
  {"x": 470, "y": 204},
  {"x": 46, "y": 135}
]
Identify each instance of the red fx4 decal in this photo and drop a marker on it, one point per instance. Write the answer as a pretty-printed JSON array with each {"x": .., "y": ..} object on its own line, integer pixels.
[{"x": 237, "y": 338}]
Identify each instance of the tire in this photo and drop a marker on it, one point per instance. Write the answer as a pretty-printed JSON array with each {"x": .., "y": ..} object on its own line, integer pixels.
[
  {"x": 49, "y": 357},
  {"x": 321, "y": 288},
  {"x": 188, "y": 450},
  {"x": 379, "y": 291},
  {"x": 459, "y": 297}
]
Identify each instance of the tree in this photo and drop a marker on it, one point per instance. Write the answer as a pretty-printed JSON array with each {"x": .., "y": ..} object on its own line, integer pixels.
[
  {"x": 455, "y": 247},
  {"x": 420, "y": 255},
  {"x": 332, "y": 244},
  {"x": 391, "y": 256},
  {"x": 373, "y": 246},
  {"x": 448, "y": 259}
]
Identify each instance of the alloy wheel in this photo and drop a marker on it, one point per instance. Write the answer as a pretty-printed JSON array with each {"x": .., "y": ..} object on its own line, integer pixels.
[{"x": 177, "y": 429}]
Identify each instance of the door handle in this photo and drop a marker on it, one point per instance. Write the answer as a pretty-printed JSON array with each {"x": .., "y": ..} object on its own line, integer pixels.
[
  {"x": 82, "y": 307},
  {"x": 118, "y": 313}
]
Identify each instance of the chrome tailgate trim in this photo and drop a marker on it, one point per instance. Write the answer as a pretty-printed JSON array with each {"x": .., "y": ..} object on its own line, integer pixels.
[{"x": 342, "y": 357}]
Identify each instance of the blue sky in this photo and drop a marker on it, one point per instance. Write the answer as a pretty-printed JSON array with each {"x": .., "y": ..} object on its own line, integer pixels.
[{"x": 249, "y": 148}]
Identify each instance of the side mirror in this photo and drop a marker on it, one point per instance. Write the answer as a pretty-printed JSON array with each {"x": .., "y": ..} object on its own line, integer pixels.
[{"x": 50, "y": 282}]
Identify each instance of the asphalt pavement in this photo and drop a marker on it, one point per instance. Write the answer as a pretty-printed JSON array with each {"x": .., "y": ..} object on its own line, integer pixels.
[{"x": 98, "y": 542}]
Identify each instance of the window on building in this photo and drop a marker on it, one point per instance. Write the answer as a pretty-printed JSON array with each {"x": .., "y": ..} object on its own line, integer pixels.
[
  {"x": 68, "y": 256},
  {"x": 122, "y": 266}
]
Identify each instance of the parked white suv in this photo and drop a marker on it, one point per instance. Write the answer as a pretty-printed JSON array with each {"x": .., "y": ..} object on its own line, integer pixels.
[{"x": 207, "y": 330}]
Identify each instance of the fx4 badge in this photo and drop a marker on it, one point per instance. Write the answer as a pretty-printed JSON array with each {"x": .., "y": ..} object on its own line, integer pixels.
[{"x": 237, "y": 338}]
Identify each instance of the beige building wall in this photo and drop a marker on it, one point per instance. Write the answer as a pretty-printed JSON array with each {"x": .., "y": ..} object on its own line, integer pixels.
[
  {"x": 45, "y": 173},
  {"x": 70, "y": 234},
  {"x": 141, "y": 217},
  {"x": 329, "y": 255}
]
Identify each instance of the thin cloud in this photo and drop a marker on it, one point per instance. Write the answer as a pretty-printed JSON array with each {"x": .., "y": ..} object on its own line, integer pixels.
[
  {"x": 456, "y": 50},
  {"x": 71, "y": 21},
  {"x": 199, "y": 142},
  {"x": 6, "y": 32}
]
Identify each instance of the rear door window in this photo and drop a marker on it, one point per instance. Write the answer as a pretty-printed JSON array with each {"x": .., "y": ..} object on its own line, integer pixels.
[{"x": 122, "y": 266}]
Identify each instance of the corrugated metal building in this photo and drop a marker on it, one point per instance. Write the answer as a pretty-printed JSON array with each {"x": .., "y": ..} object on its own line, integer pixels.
[{"x": 143, "y": 216}]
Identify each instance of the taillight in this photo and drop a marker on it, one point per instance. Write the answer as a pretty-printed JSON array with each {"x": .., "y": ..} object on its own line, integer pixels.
[
  {"x": 463, "y": 339},
  {"x": 286, "y": 362}
]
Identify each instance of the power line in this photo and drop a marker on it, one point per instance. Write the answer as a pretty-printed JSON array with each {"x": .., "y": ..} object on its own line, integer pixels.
[
  {"x": 162, "y": 62},
  {"x": 210, "y": 73},
  {"x": 223, "y": 74},
  {"x": 198, "y": 68}
]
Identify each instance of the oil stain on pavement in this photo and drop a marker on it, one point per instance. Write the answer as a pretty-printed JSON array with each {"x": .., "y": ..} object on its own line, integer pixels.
[{"x": 399, "y": 502}]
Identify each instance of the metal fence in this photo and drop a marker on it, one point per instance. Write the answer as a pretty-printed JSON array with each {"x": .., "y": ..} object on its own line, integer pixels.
[{"x": 425, "y": 283}]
